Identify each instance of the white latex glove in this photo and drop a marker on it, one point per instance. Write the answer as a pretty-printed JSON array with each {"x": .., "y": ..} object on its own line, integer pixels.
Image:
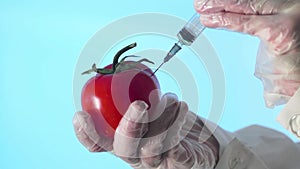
[
  {"x": 277, "y": 24},
  {"x": 170, "y": 141}
]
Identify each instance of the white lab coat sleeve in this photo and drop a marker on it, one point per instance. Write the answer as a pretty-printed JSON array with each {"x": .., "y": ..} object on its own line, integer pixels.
[
  {"x": 257, "y": 147},
  {"x": 289, "y": 117}
]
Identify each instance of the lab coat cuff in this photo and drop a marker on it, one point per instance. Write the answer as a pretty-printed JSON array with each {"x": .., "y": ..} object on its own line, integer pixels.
[{"x": 289, "y": 117}]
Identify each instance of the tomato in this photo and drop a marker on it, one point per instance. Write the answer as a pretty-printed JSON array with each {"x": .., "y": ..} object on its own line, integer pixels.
[{"x": 107, "y": 95}]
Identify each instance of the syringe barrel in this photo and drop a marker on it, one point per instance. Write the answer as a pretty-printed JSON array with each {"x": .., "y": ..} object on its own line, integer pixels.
[{"x": 191, "y": 30}]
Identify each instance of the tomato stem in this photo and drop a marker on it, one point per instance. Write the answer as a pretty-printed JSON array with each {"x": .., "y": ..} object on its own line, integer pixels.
[
  {"x": 117, "y": 56},
  {"x": 116, "y": 62}
]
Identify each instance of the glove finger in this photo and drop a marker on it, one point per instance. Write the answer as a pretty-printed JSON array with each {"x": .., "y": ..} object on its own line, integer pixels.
[
  {"x": 131, "y": 129},
  {"x": 265, "y": 7},
  {"x": 235, "y": 22},
  {"x": 87, "y": 134},
  {"x": 232, "y": 21},
  {"x": 165, "y": 129},
  {"x": 276, "y": 32},
  {"x": 175, "y": 131},
  {"x": 164, "y": 115}
]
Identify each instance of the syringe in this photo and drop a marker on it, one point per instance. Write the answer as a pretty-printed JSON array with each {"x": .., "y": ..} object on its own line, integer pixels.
[{"x": 186, "y": 36}]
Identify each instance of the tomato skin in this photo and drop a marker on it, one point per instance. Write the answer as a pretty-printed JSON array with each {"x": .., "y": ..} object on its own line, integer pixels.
[{"x": 107, "y": 97}]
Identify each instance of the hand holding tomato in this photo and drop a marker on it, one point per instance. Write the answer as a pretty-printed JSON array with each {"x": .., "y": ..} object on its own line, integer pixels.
[
  {"x": 173, "y": 140},
  {"x": 124, "y": 114}
]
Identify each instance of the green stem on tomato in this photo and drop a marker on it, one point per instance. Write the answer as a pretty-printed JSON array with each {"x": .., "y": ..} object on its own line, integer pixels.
[
  {"x": 116, "y": 63},
  {"x": 117, "y": 56}
]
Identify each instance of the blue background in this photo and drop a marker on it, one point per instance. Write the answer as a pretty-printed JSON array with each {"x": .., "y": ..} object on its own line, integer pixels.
[{"x": 40, "y": 42}]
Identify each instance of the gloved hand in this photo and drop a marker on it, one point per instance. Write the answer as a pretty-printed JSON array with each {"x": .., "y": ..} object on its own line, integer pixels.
[
  {"x": 167, "y": 140},
  {"x": 277, "y": 24}
]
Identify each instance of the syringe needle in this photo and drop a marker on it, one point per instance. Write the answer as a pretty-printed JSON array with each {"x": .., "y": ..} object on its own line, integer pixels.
[
  {"x": 187, "y": 35},
  {"x": 170, "y": 54},
  {"x": 157, "y": 68}
]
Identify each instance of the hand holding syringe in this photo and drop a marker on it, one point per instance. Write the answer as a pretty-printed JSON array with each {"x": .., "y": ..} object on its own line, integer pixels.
[{"x": 186, "y": 36}]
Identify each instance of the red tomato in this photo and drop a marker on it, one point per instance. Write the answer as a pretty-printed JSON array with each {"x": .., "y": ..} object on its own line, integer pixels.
[{"x": 106, "y": 97}]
